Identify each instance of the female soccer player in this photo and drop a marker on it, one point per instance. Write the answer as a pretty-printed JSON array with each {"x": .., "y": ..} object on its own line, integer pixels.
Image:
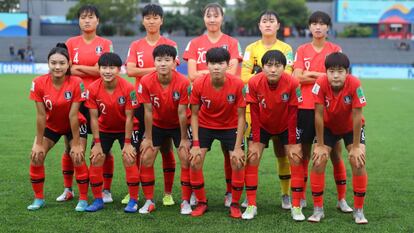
[
  {"x": 111, "y": 102},
  {"x": 58, "y": 96},
  {"x": 218, "y": 112},
  {"x": 84, "y": 52},
  {"x": 308, "y": 67},
  {"x": 164, "y": 94},
  {"x": 139, "y": 63},
  {"x": 339, "y": 100},
  {"x": 269, "y": 23},
  {"x": 195, "y": 55}
]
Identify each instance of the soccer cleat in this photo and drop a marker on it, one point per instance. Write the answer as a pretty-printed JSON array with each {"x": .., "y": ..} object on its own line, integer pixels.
[
  {"x": 286, "y": 202},
  {"x": 200, "y": 209},
  {"x": 125, "y": 200},
  {"x": 132, "y": 206},
  {"x": 296, "y": 213},
  {"x": 343, "y": 206},
  {"x": 67, "y": 195},
  {"x": 81, "y": 206},
  {"x": 148, "y": 207},
  {"x": 250, "y": 212},
  {"x": 303, "y": 203},
  {"x": 235, "y": 210},
  {"x": 37, "y": 204},
  {"x": 359, "y": 216},
  {"x": 185, "y": 208},
  {"x": 245, "y": 203},
  {"x": 193, "y": 199},
  {"x": 168, "y": 200},
  {"x": 227, "y": 199},
  {"x": 317, "y": 215},
  {"x": 107, "y": 196},
  {"x": 97, "y": 204}
]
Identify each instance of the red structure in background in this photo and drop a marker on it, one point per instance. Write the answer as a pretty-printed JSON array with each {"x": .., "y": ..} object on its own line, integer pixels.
[{"x": 394, "y": 27}]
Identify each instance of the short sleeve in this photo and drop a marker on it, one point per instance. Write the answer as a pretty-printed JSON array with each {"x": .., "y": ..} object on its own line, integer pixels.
[
  {"x": 132, "y": 100},
  {"x": 131, "y": 57},
  {"x": 79, "y": 93},
  {"x": 251, "y": 95},
  {"x": 143, "y": 92},
  {"x": 235, "y": 50},
  {"x": 247, "y": 65},
  {"x": 358, "y": 97},
  {"x": 36, "y": 91},
  {"x": 241, "y": 102},
  {"x": 295, "y": 93},
  {"x": 184, "y": 92},
  {"x": 298, "y": 61},
  {"x": 195, "y": 93},
  {"x": 318, "y": 92},
  {"x": 91, "y": 99},
  {"x": 190, "y": 51}
]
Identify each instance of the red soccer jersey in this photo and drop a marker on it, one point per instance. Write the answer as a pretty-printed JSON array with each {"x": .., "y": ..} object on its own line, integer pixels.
[
  {"x": 337, "y": 114},
  {"x": 85, "y": 54},
  {"x": 164, "y": 101},
  {"x": 140, "y": 53},
  {"x": 197, "y": 48},
  {"x": 308, "y": 59},
  {"x": 112, "y": 106},
  {"x": 218, "y": 108},
  {"x": 58, "y": 101},
  {"x": 273, "y": 103}
]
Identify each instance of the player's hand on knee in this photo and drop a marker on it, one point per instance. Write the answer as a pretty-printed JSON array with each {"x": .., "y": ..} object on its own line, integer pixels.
[
  {"x": 38, "y": 154},
  {"x": 253, "y": 152},
  {"x": 77, "y": 153},
  {"x": 237, "y": 158},
  {"x": 96, "y": 153},
  {"x": 295, "y": 154},
  {"x": 320, "y": 155},
  {"x": 129, "y": 154},
  {"x": 184, "y": 146},
  {"x": 146, "y": 144},
  {"x": 357, "y": 156}
]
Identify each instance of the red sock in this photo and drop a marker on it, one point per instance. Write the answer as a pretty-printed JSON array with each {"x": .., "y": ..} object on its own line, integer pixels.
[
  {"x": 359, "y": 183},
  {"x": 237, "y": 183},
  {"x": 168, "y": 166},
  {"x": 67, "y": 170},
  {"x": 252, "y": 179},
  {"x": 185, "y": 184},
  {"x": 317, "y": 186},
  {"x": 132, "y": 179},
  {"x": 305, "y": 177},
  {"x": 96, "y": 180},
  {"x": 339, "y": 172},
  {"x": 197, "y": 184},
  {"x": 37, "y": 177},
  {"x": 147, "y": 182},
  {"x": 227, "y": 171},
  {"x": 297, "y": 183},
  {"x": 82, "y": 178},
  {"x": 108, "y": 171}
]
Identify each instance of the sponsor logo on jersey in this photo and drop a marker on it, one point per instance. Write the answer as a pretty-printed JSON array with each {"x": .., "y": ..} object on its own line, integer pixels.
[
  {"x": 315, "y": 89},
  {"x": 176, "y": 96},
  {"x": 121, "y": 100},
  {"x": 231, "y": 99},
  {"x": 361, "y": 96},
  {"x": 98, "y": 50},
  {"x": 68, "y": 95},
  {"x": 347, "y": 99},
  {"x": 285, "y": 97}
]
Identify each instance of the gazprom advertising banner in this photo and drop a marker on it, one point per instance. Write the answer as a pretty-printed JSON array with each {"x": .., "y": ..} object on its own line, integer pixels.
[{"x": 373, "y": 11}]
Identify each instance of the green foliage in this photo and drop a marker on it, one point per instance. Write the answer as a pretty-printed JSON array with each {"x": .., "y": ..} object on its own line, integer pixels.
[
  {"x": 8, "y": 5},
  {"x": 356, "y": 31},
  {"x": 107, "y": 30}
]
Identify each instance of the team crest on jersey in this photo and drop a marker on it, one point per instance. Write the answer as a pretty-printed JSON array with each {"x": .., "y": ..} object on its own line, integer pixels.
[
  {"x": 225, "y": 47},
  {"x": 121, "y": 100},
  {"x": 98, "y": 50},
  {"x": 176, "y": 96},
  {"x": 231, "y": 99},
  {"x": 68, "y": 95},
  {"x": 347, "y": 99},
  {"x": 285, "y": 97}
]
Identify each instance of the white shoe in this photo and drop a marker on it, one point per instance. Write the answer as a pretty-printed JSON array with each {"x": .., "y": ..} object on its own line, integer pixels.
[
  {"x": 359, "y": 217},
  {"x": 296, "y": 213},
  {"x": 148, "y": 207},
  {"x": 67, "y": 195},
  {"x": 245, "y": 203},
  {"x": 343, "y": 206},
  {"x": 107, "y": 196},
  {"x": 317, "y": 215},
  {"x": 227, "y": 199},
  {"x": 193, "y": 199},
  {"x": 185, "y": 208},
  {"x": 286, "y": 205},
  {"x": 250, "y": 212},
  {"x": 303, "y": 203}
]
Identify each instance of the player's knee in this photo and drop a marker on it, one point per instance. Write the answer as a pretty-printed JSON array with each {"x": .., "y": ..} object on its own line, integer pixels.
[
  {"x": 96, "y": 161},
  {"x": 196, "y": 163},
  {"x": 253, "y": 160},
  {"x": 146, "y": 161}
]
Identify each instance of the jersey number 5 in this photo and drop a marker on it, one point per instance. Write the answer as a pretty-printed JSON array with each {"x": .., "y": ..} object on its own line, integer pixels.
[{"x": 140, "y": 60}]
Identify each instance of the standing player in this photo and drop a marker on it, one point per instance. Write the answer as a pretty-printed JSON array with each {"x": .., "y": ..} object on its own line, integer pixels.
[
  {"x": 308, "y": 66},
  {"x": 273, "y": 103},
  {"x": 195, "y": 55},
  {"x": 269, "y": 23},
  {"x": 84, "y": 51},
  {"x": 218, "y": 112},
  {"x": 139, "y": 63},
  {"x": 339, "y": 100},
  {"x": 164, "y": 94},
  {"x": 58, "y": 96},
  {"x": 111, "y": 102}
]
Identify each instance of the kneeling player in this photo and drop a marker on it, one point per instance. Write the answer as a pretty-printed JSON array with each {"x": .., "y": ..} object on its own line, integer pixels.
[
  {"x": 111, "y": 103},
  {"x": 338, "y": 115},
  {"x": 218, "y": 112},
  {"x": 273, "y": 105},
  {"x": 164, "y": 94}
]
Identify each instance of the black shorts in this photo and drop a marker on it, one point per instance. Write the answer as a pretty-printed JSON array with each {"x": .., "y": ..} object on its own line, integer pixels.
[
  {"x": 306, "y": 126},
  {"x": 139, "y": 115},
  {"x": 108, "y": 139},
  {"x": 227, "y": 137},
  {"x": 54, "y": 136},
  {"x": 160, "y": 134},
  {"x": 283, "y": 137},
  {"x": 85, "y": 112},
  {"x": 331, "y": 139}
]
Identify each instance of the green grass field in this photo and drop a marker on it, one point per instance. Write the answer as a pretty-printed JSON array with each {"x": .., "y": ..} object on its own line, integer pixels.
[{"x": 389, "y": 201}]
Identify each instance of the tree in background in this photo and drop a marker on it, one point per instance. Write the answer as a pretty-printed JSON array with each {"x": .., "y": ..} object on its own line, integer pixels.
[{"x": 9, "y": 5}]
